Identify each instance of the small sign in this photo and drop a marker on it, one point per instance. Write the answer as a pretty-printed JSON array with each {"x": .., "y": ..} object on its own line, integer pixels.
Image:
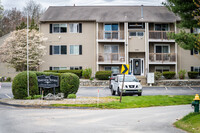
[
  {"x": 150, "y": 78},
  {"x": 125, "y": 69},
  {"x": 48, "y": 81}
]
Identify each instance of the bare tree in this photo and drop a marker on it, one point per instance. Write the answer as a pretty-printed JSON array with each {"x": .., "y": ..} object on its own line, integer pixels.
[
  {"x": 34, "y": 10},
  {"x": 1, "y": 16},
  {"x": 11, "y": 19}
]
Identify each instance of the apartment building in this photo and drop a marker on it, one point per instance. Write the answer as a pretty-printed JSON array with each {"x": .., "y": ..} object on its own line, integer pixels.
[{"x": 105, "y": 37}]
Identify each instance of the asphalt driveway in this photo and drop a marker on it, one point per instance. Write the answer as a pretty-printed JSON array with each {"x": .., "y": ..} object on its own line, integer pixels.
[{"x": 6, "y": 91}]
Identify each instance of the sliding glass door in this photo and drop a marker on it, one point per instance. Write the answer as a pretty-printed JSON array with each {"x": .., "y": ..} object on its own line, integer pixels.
[{"x": 111, "y": 52}]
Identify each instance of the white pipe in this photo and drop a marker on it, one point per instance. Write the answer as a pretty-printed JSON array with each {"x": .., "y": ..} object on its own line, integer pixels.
[{"x": 27, "y": 59}]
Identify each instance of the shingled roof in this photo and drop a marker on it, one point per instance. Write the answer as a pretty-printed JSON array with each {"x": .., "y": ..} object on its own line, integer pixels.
[{"x": 109, "y": 14}]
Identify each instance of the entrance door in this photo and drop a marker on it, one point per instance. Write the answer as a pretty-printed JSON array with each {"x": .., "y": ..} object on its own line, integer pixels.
[{"x": 137, "y": 66}]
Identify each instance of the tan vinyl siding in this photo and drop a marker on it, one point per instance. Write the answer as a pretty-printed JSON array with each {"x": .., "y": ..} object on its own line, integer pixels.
[{"x": 86, "y": 39}]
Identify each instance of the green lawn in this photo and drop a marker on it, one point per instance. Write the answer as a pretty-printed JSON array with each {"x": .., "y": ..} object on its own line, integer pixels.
[
  {"x": 190, "y": 123},
  {"x": 138, "y": 102}
]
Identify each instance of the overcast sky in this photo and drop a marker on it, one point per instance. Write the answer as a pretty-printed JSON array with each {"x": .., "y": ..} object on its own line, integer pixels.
[{"x": 19, "y": 4}]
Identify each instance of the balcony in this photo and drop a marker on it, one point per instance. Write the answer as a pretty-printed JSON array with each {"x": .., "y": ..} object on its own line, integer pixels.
[
  {"x": 159, "y": 35},
  {"x": 111, "y": 58},
  {"x": 162, "y": 58},
  {"x": 113, "y": 36}
]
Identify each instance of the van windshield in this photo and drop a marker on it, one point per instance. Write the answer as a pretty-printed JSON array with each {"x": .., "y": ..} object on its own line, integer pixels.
[{"x": 128, "y": 79}]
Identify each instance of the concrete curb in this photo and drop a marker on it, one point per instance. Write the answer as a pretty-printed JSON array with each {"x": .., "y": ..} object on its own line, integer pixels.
[{"x": 45, "y": 107}]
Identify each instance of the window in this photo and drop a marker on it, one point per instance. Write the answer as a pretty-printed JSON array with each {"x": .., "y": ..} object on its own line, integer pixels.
[
  {"x": 58, "y": 68},
  {"x": 75, "y": 49},
  {"x": 161, "y": 27},
  {"x": 111, "y": 31},
  {"x": 197, "y": 69},
  {"x": 59, "y": 28},
  {"x": 194, "y": 51},
  {"x": 111, "y": 52},
  {"x": 76, "y": 68},
  {"x": 75, "y": 28},
  {"x": 136, "y": 25},
  {"x": 162, "y": 49},
  {"x": 162, "y": 69},
  {"x": 114, "y": 69},
  {"x": 196, "y": 30},
  {"x": 136, "y": 33},
  {"x": 58, "y": 49}
]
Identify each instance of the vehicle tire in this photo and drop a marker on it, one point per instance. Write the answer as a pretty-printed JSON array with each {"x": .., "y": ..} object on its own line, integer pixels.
[
  {"x": 118, "y": 92},
  {"x": 139, "y": 94},
  {"x": 112, "y": 91}
]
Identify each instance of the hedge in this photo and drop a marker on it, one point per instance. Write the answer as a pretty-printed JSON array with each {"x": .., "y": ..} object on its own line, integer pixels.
[
  {"x": 69, "y": 83},
  {"x": 86, "y": 73},
  {"x": 77, "y": 72},
  {"x": 103, "y": 75},
  {"x": 169, "y": 75},
  {"x": 19, "y": 85},
  {"x": 193, "y": 75}
]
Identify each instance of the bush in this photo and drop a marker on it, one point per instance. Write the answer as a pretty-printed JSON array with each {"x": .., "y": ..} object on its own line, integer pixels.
[
  {"x": 91, "y": 78},
  {"x": 77, "y": 72},
  {"x": 169, "y": 75},
  {"x": 157, "y": 75},
  {"x": 19, "y": 85},
  {"x": 181, "y": 74},
  {"x": 193, "y": 75},
  {"x": 8, "y": 79},
  {"x": 71, "y": 96},
  {"x": 87, "y": 73},
  {"x": 69, "y": 83},
  {"x": 33, "y": 97},
  {"x": 103, "y": 75}
]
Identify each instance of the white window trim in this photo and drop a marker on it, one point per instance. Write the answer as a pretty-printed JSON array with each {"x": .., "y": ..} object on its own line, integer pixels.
[
  {"x": 157, "y": 67},
  {"x": 111, "y": 68},
  {"x": 161, "y": 45},
  {"x": 59, "y": 28},
  {"x": 75, "y": 67},
  {"x": 136, "y": 33},
  {"x": 77, "y": 28},
  {"x": 59, "y": 50},
  {"x": 111, "y": 31},
  {"x": 70, "y": 49},
  {"x": 53, "y": 68},
  {"x": 161, "y": 23}
]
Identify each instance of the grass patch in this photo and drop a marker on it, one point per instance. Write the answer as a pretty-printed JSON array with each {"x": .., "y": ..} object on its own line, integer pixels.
[
  {"x": 138, "y": 102},
  {"x": 190, "y": 123}
]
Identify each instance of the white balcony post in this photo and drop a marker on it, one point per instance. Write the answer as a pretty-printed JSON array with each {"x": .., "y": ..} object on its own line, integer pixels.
[
  {"x": 125, "y": 41},
  {"x": 176, "y": 49},
  {"x": 97, "y": 45},
  {"x": 147, "y": 47}
]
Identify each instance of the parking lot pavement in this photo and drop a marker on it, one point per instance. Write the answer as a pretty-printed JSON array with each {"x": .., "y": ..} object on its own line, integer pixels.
[
  {"x": 105, "y": 91},
  {"x": 6, "y": 91},
  {"x": 93, "y": 91}
]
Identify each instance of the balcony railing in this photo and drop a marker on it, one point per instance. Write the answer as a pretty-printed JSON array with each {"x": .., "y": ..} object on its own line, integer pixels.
[
  {"x": 162, "y": 57},
  {"x": 111, "y": 35},
  {"x": 159, "y": 35},
  {"x": 111, "y": 57}
]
